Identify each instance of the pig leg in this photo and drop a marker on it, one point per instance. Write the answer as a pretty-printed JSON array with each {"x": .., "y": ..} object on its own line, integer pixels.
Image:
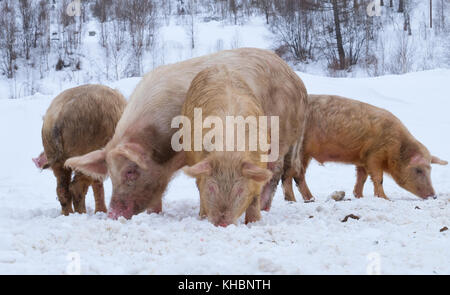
[
  {"x": 253, "y": 211},
  {"x": 287, "y": 188},
  {"x": 376, "y": 174},
  {"x": 155, "y": 207},
  {"x": 202, "y": 213},
  {"x": 99, "y": 196},
  {"x": 270, "y": 188},
  {"x": 300, "y": 180},
  {"x": 286, "y": 179},
  {"x": 361, "y": 177},
  {"x": 62, "y": 188},
  {"x": 78, "y": 189}
]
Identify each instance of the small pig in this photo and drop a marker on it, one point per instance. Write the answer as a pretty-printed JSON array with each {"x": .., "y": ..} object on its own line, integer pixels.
[
  {"x": 78, "y": 121},
  {"x": 231, "y": 181},
  {"x": 374, "y": 140},
  {"x": 140, "y": 159}
]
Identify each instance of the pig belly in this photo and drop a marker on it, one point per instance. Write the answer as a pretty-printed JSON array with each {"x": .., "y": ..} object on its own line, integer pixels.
[{"x": 336, "y": 155}]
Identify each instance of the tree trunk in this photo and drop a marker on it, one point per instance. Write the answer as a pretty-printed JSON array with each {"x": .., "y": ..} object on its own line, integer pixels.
[
  {"x": 401, "y": 6},
  {"x": 431, "y": 13},
  {"x": 337, "y": 24}
]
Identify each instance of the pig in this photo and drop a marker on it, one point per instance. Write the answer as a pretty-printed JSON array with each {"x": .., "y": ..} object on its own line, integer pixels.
[
  {"x": 230, "y": 182},
  {"x": 78, "y": 121},
  {"x": 343, "y": 130},
  {"x": 140, "y": 159}
]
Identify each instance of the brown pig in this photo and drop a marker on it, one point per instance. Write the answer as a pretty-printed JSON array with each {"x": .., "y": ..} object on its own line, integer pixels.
[
  {"x": 140, "y": 159},
  {"x": 374, "y": 140},
  {"x": 78, "y": 121}
]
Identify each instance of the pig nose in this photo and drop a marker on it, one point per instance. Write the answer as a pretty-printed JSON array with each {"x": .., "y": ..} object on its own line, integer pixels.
[
  {"x": 113, "y": 215},
  {"x": 431, "y": 196},
  {"x": 222, "y": 224}
]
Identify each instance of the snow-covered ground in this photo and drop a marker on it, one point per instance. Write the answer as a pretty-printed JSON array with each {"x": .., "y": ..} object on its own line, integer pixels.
[{"x": 401, "y": 236}]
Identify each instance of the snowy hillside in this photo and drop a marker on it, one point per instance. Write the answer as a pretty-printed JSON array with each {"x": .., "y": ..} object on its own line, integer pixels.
[
  {"x": 401, "y": 236},
  {"x": 44, "y": 50}
]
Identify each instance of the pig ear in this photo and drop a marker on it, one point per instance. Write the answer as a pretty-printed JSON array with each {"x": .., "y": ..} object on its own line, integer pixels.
[
  {"x": 198, "y": 169},
  {"x": 417, "y": 159},
  {"x": 41, "y": 161},
  {"x": 436, "y": 160},
  {"x": 92, "y": 164},
  {"x": 133, "y": 152},
  {"x": 256, "y": 173}
]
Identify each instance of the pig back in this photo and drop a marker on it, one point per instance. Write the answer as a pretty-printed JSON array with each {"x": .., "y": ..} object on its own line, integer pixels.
[
  {"x": 80, "y": 120},
  {"x": 348, "y": 128},
  {"x": 159, "y": 96}
]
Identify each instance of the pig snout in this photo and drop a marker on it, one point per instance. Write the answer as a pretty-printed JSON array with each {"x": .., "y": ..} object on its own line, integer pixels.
[
  {"x": 222, "y": 220},
  {"x": 429, "y": 196},
  {"x": 427, "y": 193},
  {"x": 120, "y": 209}
]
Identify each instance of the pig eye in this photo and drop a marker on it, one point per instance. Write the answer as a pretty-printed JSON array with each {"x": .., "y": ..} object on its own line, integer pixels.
[
  {"x": 419, "y": 171},
  {"x": 131, "y": 174}
]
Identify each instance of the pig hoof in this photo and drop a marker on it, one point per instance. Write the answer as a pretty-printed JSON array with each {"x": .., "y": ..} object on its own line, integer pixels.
[
  {"x": 66, "y": 212},
  {"x": 103, "y": 210},
  {"x": 357, "y": 195}
]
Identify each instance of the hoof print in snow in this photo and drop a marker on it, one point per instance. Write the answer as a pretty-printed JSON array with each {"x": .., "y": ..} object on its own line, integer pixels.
[
  {"x": 352, "y": 216},
  {"x": 338, "y": 195},
  {"x": 443, "y": 229}
]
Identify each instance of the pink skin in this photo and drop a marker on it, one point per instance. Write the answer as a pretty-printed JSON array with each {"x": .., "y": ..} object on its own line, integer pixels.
[
  {"x": 269, "y": 188},
  {"x": 40, "y": 161},
  {"x": 119, "y": 210},
  {"x": 265, "y": 198}
]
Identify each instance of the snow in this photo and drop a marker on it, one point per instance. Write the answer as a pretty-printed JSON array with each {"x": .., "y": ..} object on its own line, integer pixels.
[
  {"x": 172, "y": 45},
  {"x": 401, "y": 236}
]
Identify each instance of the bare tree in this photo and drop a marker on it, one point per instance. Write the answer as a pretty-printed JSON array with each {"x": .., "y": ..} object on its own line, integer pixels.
[
  {"x": 166, "y": 8},
  {"x": 293, "y": 26},
  {"x": 8, "y": 38},
  {"x": 42, "y": 35},
  {"x": 191, "y": 26},
  {"x": 266, "y": 6},
  {"x": 27, "y": 14},
  {"x": 141, "y": 18},
  {"x": 337, "y": 27}
]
